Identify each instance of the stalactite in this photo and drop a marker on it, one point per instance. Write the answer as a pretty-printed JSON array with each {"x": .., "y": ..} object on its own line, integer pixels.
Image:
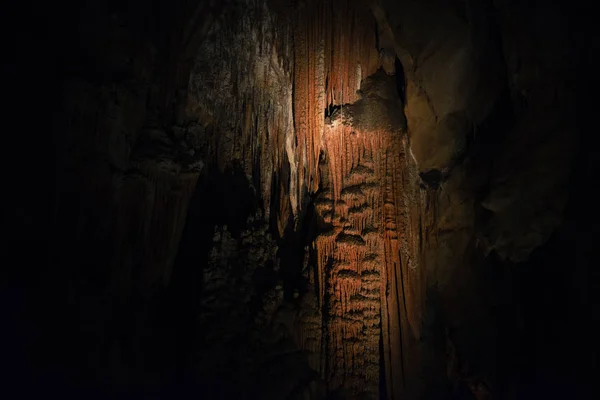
[
  {"x": 332, "y": 41},
  {"x": 156, "y": 185},
  {"x": 243, "y": 80}
]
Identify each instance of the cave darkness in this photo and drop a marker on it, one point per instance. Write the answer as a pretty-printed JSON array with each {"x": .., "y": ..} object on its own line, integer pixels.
[{"x": 300, "y": 199}]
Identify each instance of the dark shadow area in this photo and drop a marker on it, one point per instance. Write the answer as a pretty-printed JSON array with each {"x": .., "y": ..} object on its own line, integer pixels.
[
  {"x": 432, "y": 178},
  {"x": 400, "y": 80}
]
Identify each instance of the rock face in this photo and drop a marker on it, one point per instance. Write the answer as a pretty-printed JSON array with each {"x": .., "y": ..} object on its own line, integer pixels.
[
  {"x": 276, "y": 199},
  {"x": 472, "y": 105},
  {"x": 350, "y": 255},
  {"x": 453, "y": 57},
  {"x": 368, "y": 271}
]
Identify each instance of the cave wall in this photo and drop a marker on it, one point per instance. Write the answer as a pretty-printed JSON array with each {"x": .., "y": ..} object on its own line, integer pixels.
[
  {"x": 119, "y": 190},
  {"x": 266, "y": 199},
  {"x": 468, "y": 61},
  {"x": 332, "y": 52},
  {"x": 475, "y": 98},
  {"x": 491, "y": 105}
]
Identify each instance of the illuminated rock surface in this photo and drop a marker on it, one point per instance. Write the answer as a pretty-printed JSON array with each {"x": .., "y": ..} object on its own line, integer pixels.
[{"x": 303, "y": 199}]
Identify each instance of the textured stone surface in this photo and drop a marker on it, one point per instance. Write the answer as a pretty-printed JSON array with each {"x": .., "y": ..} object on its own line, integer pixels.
[{"x": 273, "y": 199}]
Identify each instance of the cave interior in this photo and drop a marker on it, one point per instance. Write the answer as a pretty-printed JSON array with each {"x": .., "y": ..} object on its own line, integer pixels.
[{"x": 300, "y": 199}]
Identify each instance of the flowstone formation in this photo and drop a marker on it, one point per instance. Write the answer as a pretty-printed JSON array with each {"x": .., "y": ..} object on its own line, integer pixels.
[
  {"x": 302, "y": 199},
  {"x": 368, "y": 276},
  {"x": 319, "y": 114}
]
